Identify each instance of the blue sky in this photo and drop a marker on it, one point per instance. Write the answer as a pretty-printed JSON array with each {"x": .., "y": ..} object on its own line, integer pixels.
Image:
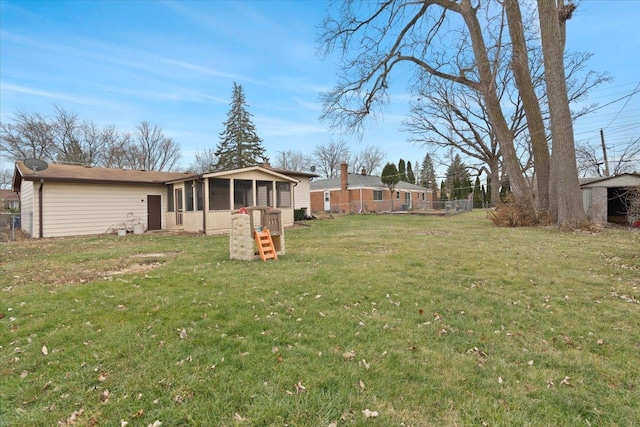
[{"x": 174, "y": 64}]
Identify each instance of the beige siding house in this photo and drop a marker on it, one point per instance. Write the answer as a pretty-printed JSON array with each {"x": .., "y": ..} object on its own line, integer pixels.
[
  {"x": 68, "y": 200},
  {"x": 205, "y": 202}
]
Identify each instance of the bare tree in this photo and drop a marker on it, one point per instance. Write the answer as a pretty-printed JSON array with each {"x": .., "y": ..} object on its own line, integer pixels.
[
  {"x": 292, "y": 160},
  {"x": 205, "y": 161},
  {"x": 454, "y": 117},
  {"x": 27, "y": 135},
  {"x": 6, "y": 178},
  {"x": 591, "y": 163},
  {"x": 115, "y": 148},
  {"x": 370, "y": 159},
  {"x": 403, "y": 31},
  {"x": 152, "y": 149},
  {"x": 462, "y": 43},
  {"x": 328, "y": 157},
  {"x": 77, "y": 141},
  {"x": 565, "y": 198}
]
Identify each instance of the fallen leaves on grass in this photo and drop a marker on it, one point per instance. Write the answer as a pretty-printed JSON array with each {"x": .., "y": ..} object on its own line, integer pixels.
[
  {"x": 183, "y": 333},
  {"x": 300, "y": 388},
  {"x": 349, "y": 355},
  {"x": 370, "y": 414},
  {"x": 45, "y": 351},
  {"x": 73, "y": 418}
]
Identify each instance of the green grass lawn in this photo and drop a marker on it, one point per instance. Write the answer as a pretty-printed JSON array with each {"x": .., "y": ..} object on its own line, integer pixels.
[{"x": 420, "y": 321}]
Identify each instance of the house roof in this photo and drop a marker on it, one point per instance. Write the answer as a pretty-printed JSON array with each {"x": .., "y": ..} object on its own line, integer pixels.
[
  {"x": 8, "y": 195},
  {"x": 73, "y": 173},
  {"x": 361, "y": 181},
  {"x": 623, "y": 179},
  {"x": 280, "y": 173}
]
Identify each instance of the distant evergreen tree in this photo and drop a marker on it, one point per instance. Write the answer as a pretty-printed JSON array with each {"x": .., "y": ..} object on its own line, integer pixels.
[
  {"x": 467, "y": 188},
  {"x": 411, "y": 178},
  {"x": 390, "y": 177},
  {"x": 402, "y": 170},
  {"x": 484, "y": 196},
  {"x": 428, "y": 174},
  {"x": 477, "y": 194},
  {"x": 487, "y": 195},
  {"x": 457, "y": 170},
  {"x": 443, "y": 192},
  {"x": 239, "y": 144}
]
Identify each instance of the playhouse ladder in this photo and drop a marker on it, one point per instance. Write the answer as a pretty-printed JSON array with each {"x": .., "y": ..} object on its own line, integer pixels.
[{"x": 265, "y": 245}]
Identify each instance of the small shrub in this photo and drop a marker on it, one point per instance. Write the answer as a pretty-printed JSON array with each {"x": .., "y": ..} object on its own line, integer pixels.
[{"x": 515, "y": 212}]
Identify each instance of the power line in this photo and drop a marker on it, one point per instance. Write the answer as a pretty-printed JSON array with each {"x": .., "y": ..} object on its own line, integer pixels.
[{"x": 625, "y": 104}]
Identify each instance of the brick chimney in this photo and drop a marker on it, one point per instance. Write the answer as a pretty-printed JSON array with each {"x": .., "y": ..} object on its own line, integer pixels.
[
  {"x": 344, "y": 177},
  {"x": 363, "y": 172}
]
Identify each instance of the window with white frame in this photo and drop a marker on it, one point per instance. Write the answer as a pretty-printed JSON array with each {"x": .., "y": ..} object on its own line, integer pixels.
[{"x": 377, "y": 195}]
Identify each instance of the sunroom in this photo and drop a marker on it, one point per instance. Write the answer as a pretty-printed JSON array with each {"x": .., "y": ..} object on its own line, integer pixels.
[{"x": 204, "y": 203}]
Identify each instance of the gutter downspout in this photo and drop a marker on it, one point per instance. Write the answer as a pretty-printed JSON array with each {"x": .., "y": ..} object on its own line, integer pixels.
[
  {"x": 40, "y": 207},
  {"x": 293, "y": 199},
  {"x": 360, "y": 211},
  {"x": 205, "y": 203}
]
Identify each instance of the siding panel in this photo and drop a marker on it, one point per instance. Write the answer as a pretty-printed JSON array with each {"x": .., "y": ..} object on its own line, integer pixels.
[{"x": 83, "y": 209}]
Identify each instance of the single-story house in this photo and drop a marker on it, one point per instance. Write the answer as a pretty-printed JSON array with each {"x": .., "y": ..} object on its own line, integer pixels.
[
  {"x": 360, "y": 193},
  {"x": 605, "y": 199},
  {"x": 9, "y": 200},
  {"x": 71, "y": 200},
  {"x": 206, "y": 201}
]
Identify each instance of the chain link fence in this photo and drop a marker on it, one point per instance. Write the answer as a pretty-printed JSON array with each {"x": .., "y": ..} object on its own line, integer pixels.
[
  {"x": 9, "y": 226},
  {"x": 446, "y": 208}
]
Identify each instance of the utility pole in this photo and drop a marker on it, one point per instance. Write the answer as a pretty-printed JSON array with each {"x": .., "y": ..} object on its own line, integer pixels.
[{"x": 604, "y": 152}]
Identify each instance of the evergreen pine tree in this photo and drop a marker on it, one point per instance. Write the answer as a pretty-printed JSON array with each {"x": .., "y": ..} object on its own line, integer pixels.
[
  {"x": 402, "y": 170},
  {"x": 239, "y": 144},
  {"x": 477, "y": 194},
  {"x": 443, "y": 192},
  {"x": 457, "y": 170},
  {"x": 487, "y": 195},
  {"x": 428, "y": 174},
  {"x": 411, "y": 178}
]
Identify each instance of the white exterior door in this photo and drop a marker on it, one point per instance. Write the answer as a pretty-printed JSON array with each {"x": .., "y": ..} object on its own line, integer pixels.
[{"x": 327, "y": 201}]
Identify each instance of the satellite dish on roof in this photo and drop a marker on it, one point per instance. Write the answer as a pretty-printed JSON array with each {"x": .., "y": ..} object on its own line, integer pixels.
[
  {"x": 313, "y": 168},
  {"x": 36, "y": 165}
]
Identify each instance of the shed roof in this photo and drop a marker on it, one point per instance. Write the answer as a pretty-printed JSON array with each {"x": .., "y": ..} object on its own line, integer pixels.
[
  {"x": 621, "y": 180},
  {"x": 57, "y": 172}
]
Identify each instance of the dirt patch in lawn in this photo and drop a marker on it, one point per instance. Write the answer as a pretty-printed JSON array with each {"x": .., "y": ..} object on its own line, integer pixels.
[
  {"x": 148, "y": 262},
  {"x": 54, "y": 274}
]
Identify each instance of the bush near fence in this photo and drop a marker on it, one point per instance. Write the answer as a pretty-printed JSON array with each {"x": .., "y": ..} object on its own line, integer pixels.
[{"x": 9, "y": 226}]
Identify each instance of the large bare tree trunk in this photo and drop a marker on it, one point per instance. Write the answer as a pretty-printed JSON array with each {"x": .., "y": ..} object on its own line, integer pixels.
[
  {"x": 535, "y": 122},
  {"x": 487, "y": 87},
  {"x": 565, "y": 196}
]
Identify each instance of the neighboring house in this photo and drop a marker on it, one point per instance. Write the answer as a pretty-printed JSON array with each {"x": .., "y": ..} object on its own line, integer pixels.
[
  {"x": 9, "y": 201},
  {"x": 301, "y": 190},
  {"x": 360, "y": 193},
  {"x": 67, "y": 200},
  {"x": 605, "y": 199}
]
